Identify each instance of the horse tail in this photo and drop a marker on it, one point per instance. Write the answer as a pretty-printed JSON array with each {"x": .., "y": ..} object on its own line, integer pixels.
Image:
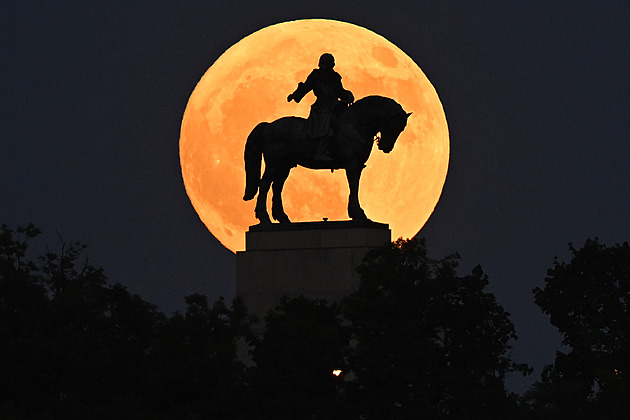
[{"x": 253, "y": 160}]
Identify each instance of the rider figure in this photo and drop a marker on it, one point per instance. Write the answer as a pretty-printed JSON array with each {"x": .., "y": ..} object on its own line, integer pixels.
[{"x": 326, "y": 85}]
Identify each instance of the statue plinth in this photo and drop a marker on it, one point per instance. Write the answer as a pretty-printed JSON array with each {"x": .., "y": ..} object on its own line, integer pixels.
[{"x": 314, "y": 259}]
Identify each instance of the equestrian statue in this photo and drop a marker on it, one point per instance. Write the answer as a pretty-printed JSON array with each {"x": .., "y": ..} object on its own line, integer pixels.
[{"x": 338, "y": 134}]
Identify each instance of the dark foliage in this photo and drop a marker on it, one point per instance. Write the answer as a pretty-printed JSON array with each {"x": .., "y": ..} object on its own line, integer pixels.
[
  {"x": 588, "y": 300},
  {"x": 415, "y": 340},
  {"x": 304, "y": 341},
  {"x": 74, "y": 346},
  {"x": 428, "y": 343}
]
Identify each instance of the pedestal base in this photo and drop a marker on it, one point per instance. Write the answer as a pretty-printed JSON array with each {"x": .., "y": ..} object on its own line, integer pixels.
[{"x": 314, "y": 259}]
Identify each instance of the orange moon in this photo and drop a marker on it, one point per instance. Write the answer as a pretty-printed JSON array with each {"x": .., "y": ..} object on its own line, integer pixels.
[{"x": 249, "y": 83}]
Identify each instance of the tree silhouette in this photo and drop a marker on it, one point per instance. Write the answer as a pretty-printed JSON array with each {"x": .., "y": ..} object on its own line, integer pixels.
[
  {"x": 415, "y": 340},
  {"x": 428, "y": 342},
  {"x": 74, "y": 346},
  {"x": 304, "y": 341},
  {"x": 23, "y": 307},
  {"x": 197, "y": 371},
  {"x": 588, "y": 300}
]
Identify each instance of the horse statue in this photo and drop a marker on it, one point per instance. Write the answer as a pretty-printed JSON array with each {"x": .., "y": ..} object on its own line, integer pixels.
[{"x": 284, "y": 145}]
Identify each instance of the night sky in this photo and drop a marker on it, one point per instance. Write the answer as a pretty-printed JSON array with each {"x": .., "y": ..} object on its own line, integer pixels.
[{"x": 535, "y": 95}]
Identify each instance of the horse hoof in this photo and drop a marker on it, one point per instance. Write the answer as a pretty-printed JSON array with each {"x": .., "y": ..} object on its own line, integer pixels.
[
  {"x": 359, "y": 218},
  {"x": 250, "y": 193},
  {"x": 264, "y": 220},
  {"x": 282, "y": 219}
]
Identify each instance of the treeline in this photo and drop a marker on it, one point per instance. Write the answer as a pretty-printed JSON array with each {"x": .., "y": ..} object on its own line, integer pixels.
[{"x": 416, "y": 340}]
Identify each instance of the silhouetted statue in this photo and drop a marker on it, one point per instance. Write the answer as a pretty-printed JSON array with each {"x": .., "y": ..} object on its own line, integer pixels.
[
  {"x": 285, "y": 144},
  {"x": 332, "y": 98}
]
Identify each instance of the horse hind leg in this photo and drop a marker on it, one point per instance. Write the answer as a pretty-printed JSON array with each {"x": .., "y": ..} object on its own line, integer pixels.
[
  {"x": 277, "y": 208},
  {"x": 261, "y": 201}
]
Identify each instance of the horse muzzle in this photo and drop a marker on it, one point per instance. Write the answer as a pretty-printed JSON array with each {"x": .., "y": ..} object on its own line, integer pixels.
[{"x": 385, "y": 148}]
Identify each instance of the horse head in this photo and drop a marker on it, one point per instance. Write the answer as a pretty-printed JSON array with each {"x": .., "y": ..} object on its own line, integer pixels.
[{"x": 391, "y": 128}]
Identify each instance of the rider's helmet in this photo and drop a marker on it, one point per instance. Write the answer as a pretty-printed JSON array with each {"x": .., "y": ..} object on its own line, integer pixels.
[{"x": 327, "y": 61}]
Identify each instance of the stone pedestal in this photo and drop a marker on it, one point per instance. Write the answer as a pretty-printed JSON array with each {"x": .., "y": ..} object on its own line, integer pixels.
[{"x": 314, "y": 259}]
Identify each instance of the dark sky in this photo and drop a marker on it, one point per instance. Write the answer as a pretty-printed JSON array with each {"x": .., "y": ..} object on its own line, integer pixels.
[{"x": 535, "y": 94}]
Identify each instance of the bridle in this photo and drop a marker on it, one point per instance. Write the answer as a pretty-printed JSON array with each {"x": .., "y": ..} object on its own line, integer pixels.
[{"x": 390, "y": 115}]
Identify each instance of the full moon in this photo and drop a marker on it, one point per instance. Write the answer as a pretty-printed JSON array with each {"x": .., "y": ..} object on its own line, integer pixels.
[{"x": 249, "y": 83}]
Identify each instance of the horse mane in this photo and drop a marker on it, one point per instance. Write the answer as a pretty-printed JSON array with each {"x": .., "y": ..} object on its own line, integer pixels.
[
  {"x": 376, "y": 105},
  {"x": 371, "y": 100}
]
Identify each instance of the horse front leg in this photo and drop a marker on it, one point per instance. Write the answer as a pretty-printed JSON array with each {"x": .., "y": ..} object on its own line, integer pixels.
[
  {"x": 261, "y": 202},
  {"x": 353, "y": 173},
  {"x": 277, "y": 209}
]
